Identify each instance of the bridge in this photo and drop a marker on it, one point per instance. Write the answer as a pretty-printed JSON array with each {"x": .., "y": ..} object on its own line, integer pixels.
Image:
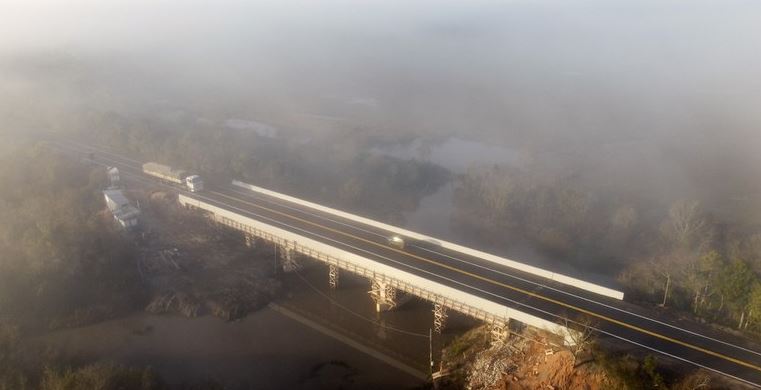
[{"x": 452, "y": 277}]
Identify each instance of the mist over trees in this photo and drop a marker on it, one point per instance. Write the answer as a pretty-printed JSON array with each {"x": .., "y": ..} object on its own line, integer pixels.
[
  {"x": 677, "y": 255},
  {"x": 335, "y": 171},
  {"x": 639, "y": 141},
  {"x": 63, "y": 262},
  {"x": 637, "y": 128}
]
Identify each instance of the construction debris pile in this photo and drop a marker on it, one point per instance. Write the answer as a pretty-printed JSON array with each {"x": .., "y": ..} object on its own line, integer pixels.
[{"x": 526, "y": 360}]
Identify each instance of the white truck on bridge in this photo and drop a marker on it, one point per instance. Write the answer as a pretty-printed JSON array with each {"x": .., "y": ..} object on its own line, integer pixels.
[{"x": 194, "y": 183}]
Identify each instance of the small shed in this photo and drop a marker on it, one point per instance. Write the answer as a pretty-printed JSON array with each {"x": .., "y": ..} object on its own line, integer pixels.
[
  {"x": 124, "y": 213},
  {"x": 115, "y": 199},
  {"x": 127, "y": 216}
]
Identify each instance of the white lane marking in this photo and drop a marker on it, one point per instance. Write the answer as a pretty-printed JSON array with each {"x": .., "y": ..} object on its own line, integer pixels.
[
  {"x": 537, "y": 284},
  {"x": 306, "y": 212},
  {"x": 540, "y": 285},
  {"x": 142, "y": 179},
  {"x": 487, "y": 292},
  {"x": 598, "y": 303},
  {"x": 480, "y": 290}
]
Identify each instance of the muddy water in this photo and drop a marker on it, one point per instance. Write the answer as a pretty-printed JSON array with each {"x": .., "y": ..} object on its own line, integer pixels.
[
  {"x": 434, "y": 213},
  {"x": 361, "y": 349},
  {"x": 266, "y": 350},
  {"x": 339, "y": 340}
]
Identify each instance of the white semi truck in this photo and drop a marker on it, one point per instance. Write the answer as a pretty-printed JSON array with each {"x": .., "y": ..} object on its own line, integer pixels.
[{"x": 194, "y": 183}]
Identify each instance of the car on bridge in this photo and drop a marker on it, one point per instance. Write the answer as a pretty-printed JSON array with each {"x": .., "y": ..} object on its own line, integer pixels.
[{"x": 396, "y": 242}]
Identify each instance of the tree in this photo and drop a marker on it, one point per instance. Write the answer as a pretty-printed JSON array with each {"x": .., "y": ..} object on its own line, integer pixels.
[
  {"x": 754, "y": 304},
  {"x": 650, "y": 367},
  {"x": 686, "y": 226},
  {"x": 695, "y": 381},
  {"x": 581, "y": 336},
  {"x": 700, "y": 277},
  {"x": 735, "y": 283}
]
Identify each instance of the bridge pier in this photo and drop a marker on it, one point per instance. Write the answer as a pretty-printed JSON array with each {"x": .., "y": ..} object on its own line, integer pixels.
[
  {"x": 288, "y": 259},
  {"x": 250, "y": 241},
  {"x": 384, "y": 295},
  {"x": 390, "y": 286},
  {"x": 439, "y": 317},
  {"x": 499, "y": 333},
  {"x": 333, "y": 276}
]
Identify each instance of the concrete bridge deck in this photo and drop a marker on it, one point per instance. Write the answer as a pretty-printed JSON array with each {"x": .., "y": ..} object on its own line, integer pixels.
[{"x": 453, "y": 278}]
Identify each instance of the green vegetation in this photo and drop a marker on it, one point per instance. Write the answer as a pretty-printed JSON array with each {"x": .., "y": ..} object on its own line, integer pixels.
[
  {"x": 627, "y": 372},
  {"x": 461, "y": 352},
  {"x": 100, "y": 376},
  {"x": 557, "y": 213},
  {"x": 332, "y": 170},
  {"x": 63, "y": 263},
  {"x": 678, "y": 255},
  {"x": 708, "y": 269}
]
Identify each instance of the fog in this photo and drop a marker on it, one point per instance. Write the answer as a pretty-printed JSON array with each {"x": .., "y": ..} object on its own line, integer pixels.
[
  {"x": 664, "y": 94},
  {"x": 601, "y": 139}
]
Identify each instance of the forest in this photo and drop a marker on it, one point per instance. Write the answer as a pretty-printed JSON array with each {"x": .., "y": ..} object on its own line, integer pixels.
[
  {"x": 63, "y": 264},
  {"x": 670, "y": 253},
  {"x": 675, "y": 255},
  {"x": 335, "y": 170}
]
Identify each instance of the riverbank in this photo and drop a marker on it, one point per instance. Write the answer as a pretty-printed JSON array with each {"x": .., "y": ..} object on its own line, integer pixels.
[{"x": 266, "y": 350}]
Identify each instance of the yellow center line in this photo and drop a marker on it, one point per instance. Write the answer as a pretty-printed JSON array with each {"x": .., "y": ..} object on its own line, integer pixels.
[{"x": 491, "y": 281}]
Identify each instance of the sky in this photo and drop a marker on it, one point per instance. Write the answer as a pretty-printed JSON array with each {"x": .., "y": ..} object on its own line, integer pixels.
[{"x": 581, "y": 75}]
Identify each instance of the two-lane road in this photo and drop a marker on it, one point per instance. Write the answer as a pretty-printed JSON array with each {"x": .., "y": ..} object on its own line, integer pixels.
[{"x": 690, "y": 343}]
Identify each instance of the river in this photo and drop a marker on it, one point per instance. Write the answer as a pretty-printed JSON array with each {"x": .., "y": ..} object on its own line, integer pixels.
[{"x": 337, "y": 341}]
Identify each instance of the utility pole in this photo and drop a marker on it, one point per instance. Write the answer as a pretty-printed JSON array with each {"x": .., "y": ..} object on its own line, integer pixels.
[
  {"x": 666, "y": 292},
  {"x": 430, "y": 353}
]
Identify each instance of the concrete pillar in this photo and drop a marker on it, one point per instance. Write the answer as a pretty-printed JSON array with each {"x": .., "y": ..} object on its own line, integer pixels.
[
  {"x": 439, "y": 317},
  {"x": 288, "y": 259},
  {"x": 384, "y": 295},
  {"x": 499, "y": 333},
  {"x": 333, "y": 275}
]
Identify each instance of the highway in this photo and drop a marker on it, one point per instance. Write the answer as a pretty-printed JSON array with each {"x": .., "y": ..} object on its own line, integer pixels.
[{"x": 688, "y": 342}]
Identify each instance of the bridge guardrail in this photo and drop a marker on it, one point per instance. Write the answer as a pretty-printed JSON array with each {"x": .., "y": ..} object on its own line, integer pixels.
[
  {"x": 461, "y": 301},
  {"x": 554, "y": 276}
]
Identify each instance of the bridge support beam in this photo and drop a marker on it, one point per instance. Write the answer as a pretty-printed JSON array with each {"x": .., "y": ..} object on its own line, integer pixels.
[
  {"x": 439, "y": 317},
  {"x": 250, "y": 241},
  {"x": 333, "y": 276},
  {"x": 288, "y": 259},
  {"x": 384, "y": 295},
  {"x": 499, "y": 333}
]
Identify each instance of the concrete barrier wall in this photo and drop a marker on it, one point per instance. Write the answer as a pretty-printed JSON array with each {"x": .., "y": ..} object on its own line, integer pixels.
[
  {"x": 560, "y": 278},
  {"x": 493, "y": 308}
]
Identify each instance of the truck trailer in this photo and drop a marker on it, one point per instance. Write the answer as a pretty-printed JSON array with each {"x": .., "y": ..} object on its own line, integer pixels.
[{"x": 177, "y": 176}]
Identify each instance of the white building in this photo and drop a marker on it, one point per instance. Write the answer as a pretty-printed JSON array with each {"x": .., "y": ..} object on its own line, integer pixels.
[
  {"x": 124, "y": 213},
  {"x": 127, "y": 216}
]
